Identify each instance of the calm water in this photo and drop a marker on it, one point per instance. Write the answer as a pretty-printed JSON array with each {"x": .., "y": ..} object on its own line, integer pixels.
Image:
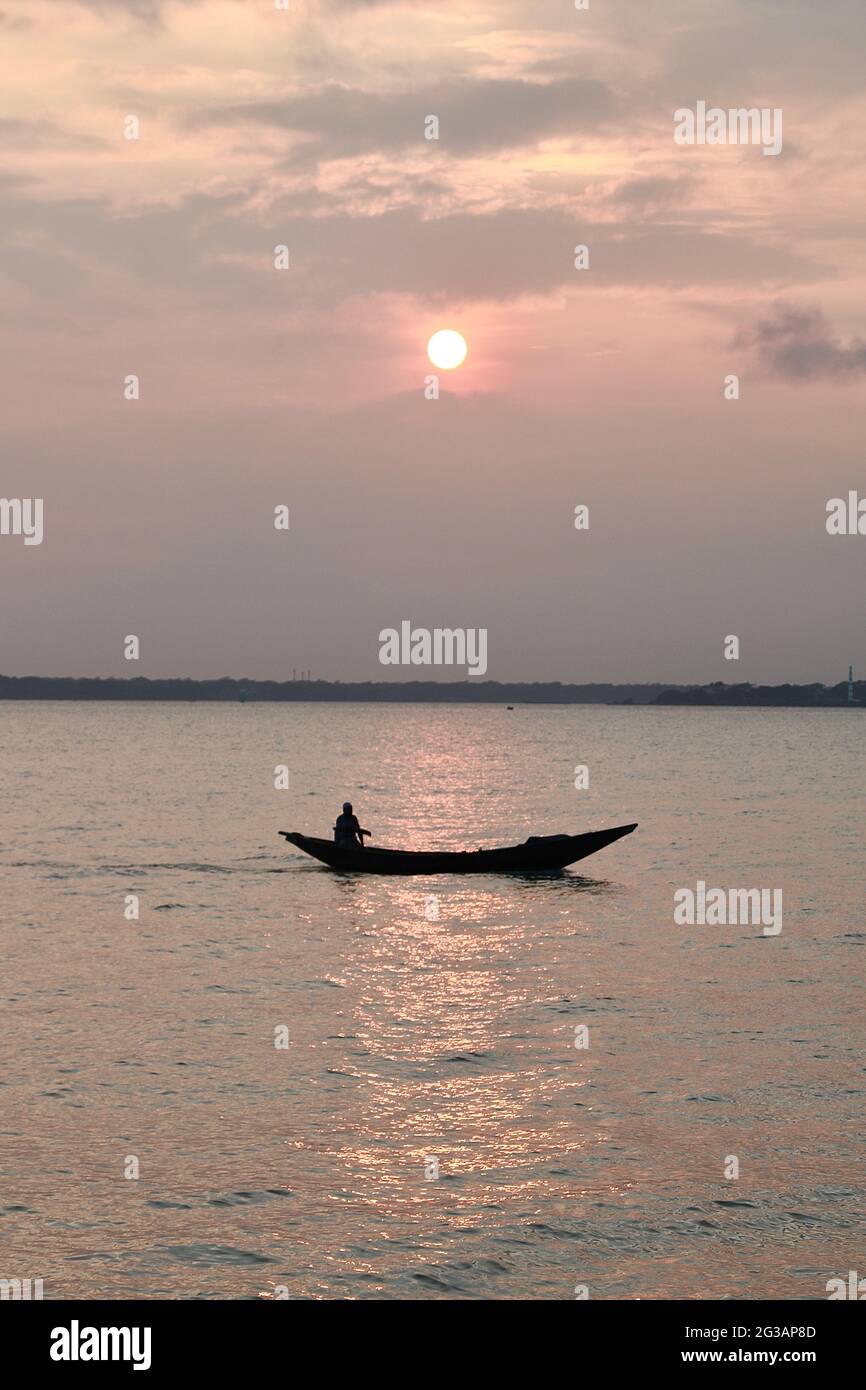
[{"x": 412, "y": 1038}]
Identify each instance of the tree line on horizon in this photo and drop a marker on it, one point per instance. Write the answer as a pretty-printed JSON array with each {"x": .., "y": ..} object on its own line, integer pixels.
[{"x": 233, "y": 689}]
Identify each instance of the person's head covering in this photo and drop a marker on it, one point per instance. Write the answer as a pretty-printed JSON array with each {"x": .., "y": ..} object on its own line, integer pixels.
[{"x": 347, "y": 808}]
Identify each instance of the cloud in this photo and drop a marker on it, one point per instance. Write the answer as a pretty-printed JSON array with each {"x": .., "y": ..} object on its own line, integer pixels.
[
  {"x": 791, "y": 49},
  {"x": 34, "y": 135},
  {"x": 474, "y": 115},
  {"x": 146, "y": 10},
  {"x": 216, "y": 249},
  {"x": 10, "y": 21},
  {"x": 653, "y": 191},
  {"x": 799, "y": 344}
]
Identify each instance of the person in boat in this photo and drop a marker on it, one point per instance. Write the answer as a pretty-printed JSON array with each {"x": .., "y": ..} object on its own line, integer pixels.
[{"x": 347, "y": 831}]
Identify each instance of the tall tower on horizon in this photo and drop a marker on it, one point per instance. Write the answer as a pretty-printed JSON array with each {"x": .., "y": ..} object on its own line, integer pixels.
[{"x": 850, "y": 685}]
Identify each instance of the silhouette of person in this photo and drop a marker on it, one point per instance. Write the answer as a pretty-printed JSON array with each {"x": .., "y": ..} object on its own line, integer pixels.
[{"x": 347, "y": 831}]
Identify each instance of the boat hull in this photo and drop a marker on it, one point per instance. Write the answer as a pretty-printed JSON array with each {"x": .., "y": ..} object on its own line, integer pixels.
[{"x": 538, "y": 854}]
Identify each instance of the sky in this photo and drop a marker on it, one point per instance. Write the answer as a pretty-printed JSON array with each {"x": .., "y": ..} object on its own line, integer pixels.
[{"x": 308, "y": 387}]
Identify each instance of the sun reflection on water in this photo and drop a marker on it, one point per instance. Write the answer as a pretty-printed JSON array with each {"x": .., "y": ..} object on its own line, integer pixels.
[{"x": 450, "y": 1071}]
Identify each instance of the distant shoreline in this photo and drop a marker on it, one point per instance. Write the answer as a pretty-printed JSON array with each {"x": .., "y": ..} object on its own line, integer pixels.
[{"x": 230, "y": 690}]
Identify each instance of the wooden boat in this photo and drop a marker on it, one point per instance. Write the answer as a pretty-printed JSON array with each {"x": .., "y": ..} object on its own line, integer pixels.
[{"x": 538, "y": 854}]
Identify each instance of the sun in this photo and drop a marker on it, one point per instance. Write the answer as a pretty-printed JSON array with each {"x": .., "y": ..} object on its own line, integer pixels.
[{"x": 447, "y": 349}]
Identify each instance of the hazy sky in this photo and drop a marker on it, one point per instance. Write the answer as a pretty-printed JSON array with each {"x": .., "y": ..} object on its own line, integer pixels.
[{"x": 305, "y": 387}]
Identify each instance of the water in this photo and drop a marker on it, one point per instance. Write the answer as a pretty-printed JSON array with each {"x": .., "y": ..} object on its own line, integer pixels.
[{"x": 412, "y": 1038}]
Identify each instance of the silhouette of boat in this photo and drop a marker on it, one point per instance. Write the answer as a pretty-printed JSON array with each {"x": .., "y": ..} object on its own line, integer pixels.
[{"x": 535, "y": 855}]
